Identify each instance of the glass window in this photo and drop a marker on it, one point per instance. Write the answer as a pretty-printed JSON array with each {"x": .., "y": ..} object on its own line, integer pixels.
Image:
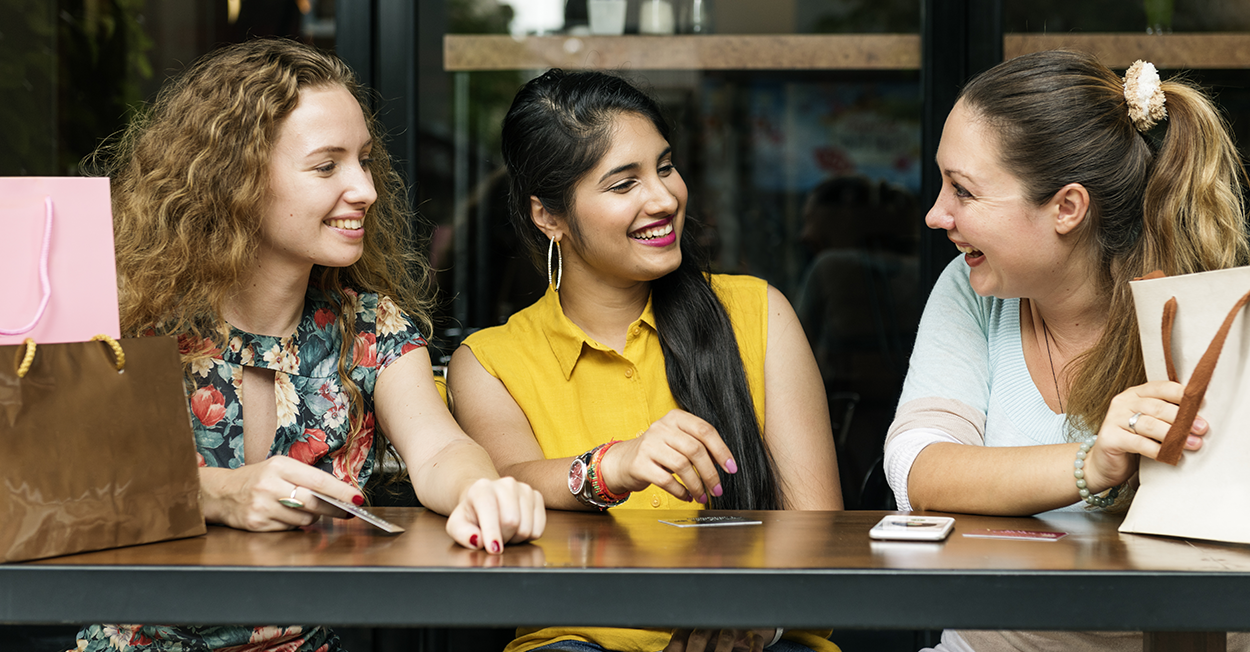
[
  {"x": 1204, "y": 39},
  {"x": 1131, "y": 16},
  {"x": 73, "y": 72}
]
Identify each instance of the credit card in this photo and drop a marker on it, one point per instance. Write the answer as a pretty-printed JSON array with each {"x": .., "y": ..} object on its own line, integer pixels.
[
  {"x": 1026, "y": 535},
  {"x": 360, "y": 513},
  {"x": 710, "y": 521}
]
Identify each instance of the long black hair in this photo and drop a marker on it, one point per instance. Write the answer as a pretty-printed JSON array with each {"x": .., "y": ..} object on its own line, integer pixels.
[{"x": 557, "y": 130}]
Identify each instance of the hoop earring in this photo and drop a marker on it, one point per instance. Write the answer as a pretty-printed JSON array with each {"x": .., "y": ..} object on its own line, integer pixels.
[{"x": 554, "y": 281}]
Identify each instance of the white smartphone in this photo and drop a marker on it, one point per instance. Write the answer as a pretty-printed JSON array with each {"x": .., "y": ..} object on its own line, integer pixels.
[{"x": 913, "y": 528}]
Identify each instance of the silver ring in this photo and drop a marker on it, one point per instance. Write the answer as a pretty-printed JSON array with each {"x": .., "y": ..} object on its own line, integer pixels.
[
  {"x": 291, "y": 501},
  {"x": 1132, "y": 422}
]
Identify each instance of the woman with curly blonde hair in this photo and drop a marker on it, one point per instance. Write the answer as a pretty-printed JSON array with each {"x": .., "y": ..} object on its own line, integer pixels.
[{"x": 258, "y": 218}]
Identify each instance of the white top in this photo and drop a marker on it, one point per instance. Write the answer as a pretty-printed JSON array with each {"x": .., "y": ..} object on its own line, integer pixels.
[{"x": 967, "y": 382}]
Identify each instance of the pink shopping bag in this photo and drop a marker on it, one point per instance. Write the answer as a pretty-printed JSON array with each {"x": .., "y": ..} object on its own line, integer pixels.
[{"x": 58, "y": 278}]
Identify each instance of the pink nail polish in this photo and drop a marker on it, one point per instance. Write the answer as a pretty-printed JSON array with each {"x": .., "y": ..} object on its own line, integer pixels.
[
  {"x": 473, "y": 541},
  {"x": 703, "y": 498},
  {"x": 494, "y": 546},
  {"x": 717, "y": 491},
  {"x": 731, "y": 466},
  {"x": 358, "y": 500}
]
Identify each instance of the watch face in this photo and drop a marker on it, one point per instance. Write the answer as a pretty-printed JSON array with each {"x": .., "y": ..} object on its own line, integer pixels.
[{"x": 577, "y": 476}]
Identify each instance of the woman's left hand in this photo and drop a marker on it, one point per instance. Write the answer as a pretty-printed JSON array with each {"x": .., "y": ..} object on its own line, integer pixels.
[
  {"x": 1114, "y": 457},
  {"x": 719, "y": 640},
  {"x": 492, "y": 513}
]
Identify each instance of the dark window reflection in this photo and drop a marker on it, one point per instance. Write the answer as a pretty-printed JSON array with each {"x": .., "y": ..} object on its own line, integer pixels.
[
  {"x": 1058, "y": 16},
  {"x": 75, "y": 70}
]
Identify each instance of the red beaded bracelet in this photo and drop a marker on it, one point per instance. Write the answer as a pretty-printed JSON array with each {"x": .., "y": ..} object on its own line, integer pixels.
[{"x": 602, "y": 493}]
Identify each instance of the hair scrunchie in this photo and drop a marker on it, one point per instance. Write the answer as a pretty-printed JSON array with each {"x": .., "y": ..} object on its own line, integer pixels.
[{"x": 1144, "y": 93}]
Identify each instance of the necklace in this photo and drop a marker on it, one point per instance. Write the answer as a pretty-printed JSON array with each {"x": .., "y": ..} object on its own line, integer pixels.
[{"x": 1053, "y": 375}]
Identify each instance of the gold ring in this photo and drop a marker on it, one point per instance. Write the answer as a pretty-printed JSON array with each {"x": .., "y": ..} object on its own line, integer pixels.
[{"x": 291, "y": 500}]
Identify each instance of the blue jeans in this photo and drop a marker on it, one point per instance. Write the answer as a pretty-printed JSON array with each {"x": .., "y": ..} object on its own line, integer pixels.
[{"x": 581, "y": 646}]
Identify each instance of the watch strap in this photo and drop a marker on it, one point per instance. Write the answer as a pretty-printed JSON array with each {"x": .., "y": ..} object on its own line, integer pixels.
[{"x": 594, "y": 492}]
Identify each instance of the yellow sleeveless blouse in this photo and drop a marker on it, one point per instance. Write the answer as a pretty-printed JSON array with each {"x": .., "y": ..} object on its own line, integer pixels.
[{"x": 578, "y": 393}]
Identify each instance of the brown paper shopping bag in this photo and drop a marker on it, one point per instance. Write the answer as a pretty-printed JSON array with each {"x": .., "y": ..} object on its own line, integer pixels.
[
  {"x": 96, "y": 447},
  {"x": 1194, "y": 329}
]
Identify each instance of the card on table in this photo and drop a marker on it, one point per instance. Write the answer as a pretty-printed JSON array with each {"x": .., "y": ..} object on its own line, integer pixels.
[
  {"x": 1026, "y": 535},
  {"x": 912, "y": 528},
  {"x": 360, "y": 513},
  {"x": 711, "y": 521}
]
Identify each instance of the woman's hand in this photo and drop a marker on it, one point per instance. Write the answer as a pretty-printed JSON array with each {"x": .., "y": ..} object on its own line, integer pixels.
[
  {"x": 678, "y": 444},
  {"x": 492, "y": 513},
  {"x": 720, "y": 640},
  {"x": 1114, "y": 457},
  {"x": 247, "y": 497}
]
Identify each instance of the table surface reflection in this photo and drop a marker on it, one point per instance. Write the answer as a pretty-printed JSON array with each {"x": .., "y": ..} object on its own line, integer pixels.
[{"x": 796, "y": 569}]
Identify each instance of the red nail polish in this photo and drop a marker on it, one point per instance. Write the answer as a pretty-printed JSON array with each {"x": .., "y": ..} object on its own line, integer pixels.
[
  {"x": 473, "y": 541},
  {"x": 494, "y": 546},
  {"x": 358, "y": 500}
]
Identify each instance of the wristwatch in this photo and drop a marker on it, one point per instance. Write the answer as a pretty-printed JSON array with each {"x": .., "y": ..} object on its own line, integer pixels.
[{"x": 579, "y": 482}]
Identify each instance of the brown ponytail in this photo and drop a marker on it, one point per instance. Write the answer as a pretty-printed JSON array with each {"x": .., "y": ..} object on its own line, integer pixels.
[{"x": 1178, "y": 205}]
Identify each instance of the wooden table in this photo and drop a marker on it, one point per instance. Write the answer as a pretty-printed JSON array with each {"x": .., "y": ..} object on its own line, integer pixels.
[{"x": 799, "y": 569}]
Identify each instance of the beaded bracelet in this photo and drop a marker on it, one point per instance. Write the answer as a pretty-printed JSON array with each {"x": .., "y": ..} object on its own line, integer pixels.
[
  {"x": 602, "y": 493},
  {"x": 1097, "y": 500}
]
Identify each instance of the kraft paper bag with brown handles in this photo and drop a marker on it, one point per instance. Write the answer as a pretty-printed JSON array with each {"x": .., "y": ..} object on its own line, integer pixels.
[
  {"x": 94, "y": 457},
  {"x": 1195, "y": 330}
]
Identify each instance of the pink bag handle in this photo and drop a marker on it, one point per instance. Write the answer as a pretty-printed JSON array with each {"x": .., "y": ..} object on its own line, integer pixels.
[
  {"x": 1196, "y": 388},
  {"x": 43, "y": 272}
]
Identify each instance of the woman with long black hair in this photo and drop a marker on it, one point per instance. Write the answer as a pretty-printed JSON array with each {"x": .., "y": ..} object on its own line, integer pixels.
[{"x": 639, "y": 380}]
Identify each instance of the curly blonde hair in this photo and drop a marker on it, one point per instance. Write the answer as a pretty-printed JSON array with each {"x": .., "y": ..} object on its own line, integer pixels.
[{"x": 190, "y": 175}]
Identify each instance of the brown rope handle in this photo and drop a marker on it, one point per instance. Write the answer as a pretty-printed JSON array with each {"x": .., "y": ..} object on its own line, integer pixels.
[
  {"x": 1196, "y": 388},
  {"x": 1169, "y": 319}
]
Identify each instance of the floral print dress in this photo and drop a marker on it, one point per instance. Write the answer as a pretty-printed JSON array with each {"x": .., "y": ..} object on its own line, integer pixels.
[{"x": 313, "y": 425}]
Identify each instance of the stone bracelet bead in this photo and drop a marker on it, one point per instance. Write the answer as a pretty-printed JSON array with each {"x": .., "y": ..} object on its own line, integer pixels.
[{"x": 1105, "y": 500}]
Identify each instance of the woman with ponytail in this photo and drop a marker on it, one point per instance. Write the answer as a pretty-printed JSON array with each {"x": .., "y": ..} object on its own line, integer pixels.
[
  {"x": 639, "y": 380},
  {"x": 1062, "y": 182}
]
